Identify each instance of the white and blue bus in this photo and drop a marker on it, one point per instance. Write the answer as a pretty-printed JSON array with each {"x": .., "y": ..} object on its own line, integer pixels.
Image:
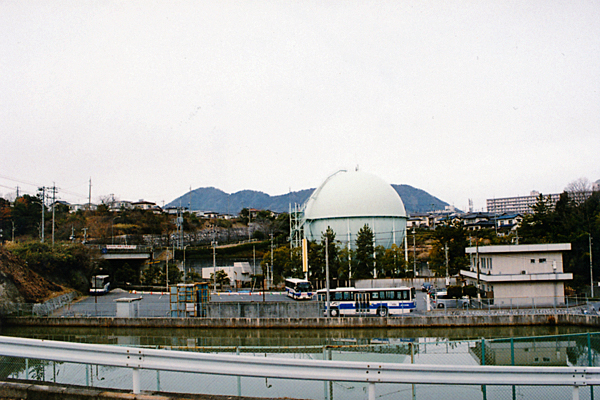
[
  {"x": 368, "y": 301},
  {"x": 100, "y": 285},
  {"x": 298, "y": 289}
]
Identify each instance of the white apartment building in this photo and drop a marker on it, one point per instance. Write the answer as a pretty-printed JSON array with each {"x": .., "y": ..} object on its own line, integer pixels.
[
  {"x": 519, "y": 275},
  {"x": 519, "y": 204}
]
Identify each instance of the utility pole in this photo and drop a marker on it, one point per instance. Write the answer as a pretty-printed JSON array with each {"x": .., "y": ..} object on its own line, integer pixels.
[
  {"x": 53, "y": 208},
  {"x": 90, "y": 196},
  {"x": 43, "y": 189},
  {"x": 167, "y": 271},
  {"x": 271, "y": 271},
  {"x": 327, "y": 272},
  {"x": 591, "y": 272},
  {"x": 414, "y": 253},
  {"x": 214, "y": 245},
  {"x": 478, "y": 270},
  {"x": 406, "y": 248},
  {"x": 446, "y": 252}
]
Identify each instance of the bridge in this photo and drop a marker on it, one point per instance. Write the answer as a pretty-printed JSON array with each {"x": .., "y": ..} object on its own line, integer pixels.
[{"x": 126, "y": 252}]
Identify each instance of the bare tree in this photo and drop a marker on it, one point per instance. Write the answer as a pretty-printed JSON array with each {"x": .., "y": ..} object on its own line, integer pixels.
[{"x": 579, "y": 190}]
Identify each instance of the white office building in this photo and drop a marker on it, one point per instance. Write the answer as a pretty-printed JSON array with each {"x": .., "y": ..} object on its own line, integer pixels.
[{"x": 519, "y": 275}]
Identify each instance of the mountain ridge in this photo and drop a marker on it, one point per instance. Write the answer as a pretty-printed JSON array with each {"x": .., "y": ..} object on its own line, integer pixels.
[{"x": 216, "y": 200}]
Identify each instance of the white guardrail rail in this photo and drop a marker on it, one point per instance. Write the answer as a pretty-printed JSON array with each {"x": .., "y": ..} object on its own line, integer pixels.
[{"x": 318, "y": 370}]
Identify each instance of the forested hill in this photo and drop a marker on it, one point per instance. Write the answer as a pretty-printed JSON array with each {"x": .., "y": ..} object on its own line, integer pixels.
[{"x": 212, "y": 199}]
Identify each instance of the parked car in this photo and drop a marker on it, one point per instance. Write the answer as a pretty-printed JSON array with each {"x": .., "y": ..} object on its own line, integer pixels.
[
  {"x": 440, "y": 299},
  {"x": 426, "y": 287}
]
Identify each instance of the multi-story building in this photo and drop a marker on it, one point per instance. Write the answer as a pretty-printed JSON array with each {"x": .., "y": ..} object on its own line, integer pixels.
[
  {"x": 519, "y": 204},
  {"x": 524, "y": 204}
]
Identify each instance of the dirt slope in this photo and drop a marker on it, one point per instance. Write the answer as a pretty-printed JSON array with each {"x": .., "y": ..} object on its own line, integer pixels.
[{"x": 20, "y": 284}]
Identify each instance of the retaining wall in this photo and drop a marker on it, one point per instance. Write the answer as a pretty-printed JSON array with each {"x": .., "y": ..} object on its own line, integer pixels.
[
  {"x": 413, "y": 321},
  {"x": 44, "y": 391}
]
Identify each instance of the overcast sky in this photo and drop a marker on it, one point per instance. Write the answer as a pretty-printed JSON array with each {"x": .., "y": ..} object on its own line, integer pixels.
[{"x": 464, "y": 99}]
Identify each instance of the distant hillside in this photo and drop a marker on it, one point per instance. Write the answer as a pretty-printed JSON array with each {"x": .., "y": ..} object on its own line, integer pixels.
[{"x": 212, "y": 199}]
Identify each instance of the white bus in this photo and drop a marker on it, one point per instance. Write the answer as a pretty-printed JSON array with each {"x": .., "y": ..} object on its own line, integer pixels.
[
  {"x": 298, "y": 289},
  {"x": 100, "y": 284},
  {"x": 368, "y": 301}
]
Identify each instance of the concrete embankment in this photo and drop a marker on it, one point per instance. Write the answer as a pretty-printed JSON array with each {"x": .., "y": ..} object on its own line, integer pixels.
[
  {"x": 412, "y": 321},
  {"x": 13, "y": 390}
]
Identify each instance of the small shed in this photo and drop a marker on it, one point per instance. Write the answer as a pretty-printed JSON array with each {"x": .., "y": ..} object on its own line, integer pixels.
[{"x": 128, "y": 307}]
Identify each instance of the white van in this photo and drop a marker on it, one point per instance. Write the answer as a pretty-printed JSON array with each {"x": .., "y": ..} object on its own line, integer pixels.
[{"x": 441, "y": 300}]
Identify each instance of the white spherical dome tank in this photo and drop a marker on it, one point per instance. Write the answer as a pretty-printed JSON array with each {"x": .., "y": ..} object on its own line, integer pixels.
[{"x": 349, "y": 200}]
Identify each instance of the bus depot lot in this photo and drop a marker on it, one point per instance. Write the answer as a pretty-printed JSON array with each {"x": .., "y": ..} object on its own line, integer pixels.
[
  {"x": 154, "y": 304},
  {"x": 157, "y": 304}
]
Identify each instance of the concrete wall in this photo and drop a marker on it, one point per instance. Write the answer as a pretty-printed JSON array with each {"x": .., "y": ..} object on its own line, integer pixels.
[
  {"x": 542, "y": 294},
  {"x": 296, "y": 309},
  {"x": 409, "y": 321},
  {"x": 49, "y": 391}
]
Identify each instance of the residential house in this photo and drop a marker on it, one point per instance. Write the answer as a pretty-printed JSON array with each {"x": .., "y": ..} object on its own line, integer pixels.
[{"x": 145, "y": 205}]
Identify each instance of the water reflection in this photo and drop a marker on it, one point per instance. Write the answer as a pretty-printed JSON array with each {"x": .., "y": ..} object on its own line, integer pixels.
[
  {"x": 459, "y": 346},
  {"x": 168, "y": 337}
]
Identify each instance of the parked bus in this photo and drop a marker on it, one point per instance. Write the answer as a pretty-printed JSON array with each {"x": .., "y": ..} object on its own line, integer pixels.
[
  {"x": 298, "y": 289},
  {"x": 100, "y": 284},
  {"x": 369, "y": 301}
]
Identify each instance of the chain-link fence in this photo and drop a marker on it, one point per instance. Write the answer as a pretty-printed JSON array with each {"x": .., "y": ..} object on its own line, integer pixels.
[
  {"x": 544, "y": 351},
  {"x": 159, "y": 306}
]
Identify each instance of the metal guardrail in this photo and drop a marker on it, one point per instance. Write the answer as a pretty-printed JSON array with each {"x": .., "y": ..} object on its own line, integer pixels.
[{"x": 371, "y": 373}]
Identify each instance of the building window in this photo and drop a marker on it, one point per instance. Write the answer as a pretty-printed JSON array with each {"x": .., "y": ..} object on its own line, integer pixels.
[
  {"x": 542, "y": 260},
  {"x": 533, "y": 260}
]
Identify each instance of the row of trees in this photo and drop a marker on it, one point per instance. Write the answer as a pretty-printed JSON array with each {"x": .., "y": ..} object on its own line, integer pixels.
[
  {"x": 364, "y": 261},
  {"x": 574, "y": 219}
]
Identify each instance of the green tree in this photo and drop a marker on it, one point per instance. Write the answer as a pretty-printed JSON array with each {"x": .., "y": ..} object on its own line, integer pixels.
[
  {"x": 391, "y": 262},
  {"x": 538, "y": 227},
  {"x": 454, "y": 238},
  {"x": 244, "y": 216},
  {"x": 222, "y": 278},
  {"x": 27, "y": 216},
  {"x": 316, "y": 261},
  {"x": 286, "y": 263},
  {"x": 332, "y": 253},
  {"x": 347, "y": 262},
  {"x": 125, "y": 275},
  {"x": 153, "y": 275},
  {"x": 5, "y": 220},
  {"x": 364, "y": 253}
]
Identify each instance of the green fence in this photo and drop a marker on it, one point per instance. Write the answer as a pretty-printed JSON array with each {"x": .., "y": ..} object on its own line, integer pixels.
[{"x": 540, "y": 351}]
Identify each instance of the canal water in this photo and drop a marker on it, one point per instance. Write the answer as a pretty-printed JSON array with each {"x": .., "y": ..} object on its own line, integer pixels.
[
  {"x": 168, "y": 337},
  {"x": 439, "y": 346}
]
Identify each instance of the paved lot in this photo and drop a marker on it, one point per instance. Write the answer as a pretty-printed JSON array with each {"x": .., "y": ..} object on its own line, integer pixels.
[
  {"x": 152, "y": 304},
  {"x": 156, "y": 304}
]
